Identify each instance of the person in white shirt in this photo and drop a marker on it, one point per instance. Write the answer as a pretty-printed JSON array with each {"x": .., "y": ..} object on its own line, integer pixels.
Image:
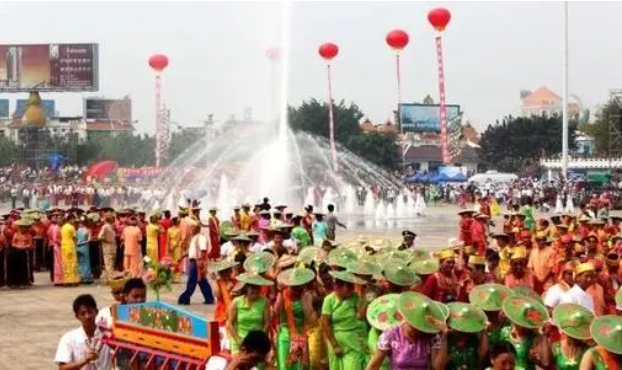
[
  {"x": 554, "y": 295},
  {"x": 256, "y": 246},
  {"x": 197, "y": 273},
  {"x": 82, "y": 348},
  {"x": 584, "y": 277}
]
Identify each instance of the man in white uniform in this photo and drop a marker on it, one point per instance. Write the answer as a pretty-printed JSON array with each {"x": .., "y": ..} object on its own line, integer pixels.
[
  {"x": 584, "y": 277},
  {"x": 554, "y": 295}
]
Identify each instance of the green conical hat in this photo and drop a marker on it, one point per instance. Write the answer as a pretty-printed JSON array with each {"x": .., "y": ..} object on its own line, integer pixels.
[
  {"x": 296, "y": 276},
  {"x": 385, "y": 252},
  {"x": 619, "y": 299},
  {"x": 259, "y": 262},
  {"x": 217, "y": 266},
  {"x": 426, "y": 267},
  {"x": 421, "y": 312},
  {"x": 241, "y": 238},
  {"x": 525, "y": 291},
  {"x": 93, "y": 217},
  {"x": 489, "y": 297},
  {"x": 253, "y": 279},
  {"x": 466, "y": 318},
  {"x": 444, "y": 309},
  {"x": 364, "y": 267},
  {"x": 32, "y": 211},
  {"x": 607, "y": 332},
  {"x": 380, "y": 244},
  {"x": 226, "y": 228},
  {"x": 347, "y": 276},
  {"x": 341, "y": 257},
  {"x": 419, "y": 255},
  {"x": 309, "y": 254},
  {"x": 573, "y": 320},
  {"x": 383, "y": 313},
  {"x": 525, "y": 312},
  {"x": 400, "y": 274},
  {"x": 401, "y": 255},
  {"x": 23, "y": 222}
]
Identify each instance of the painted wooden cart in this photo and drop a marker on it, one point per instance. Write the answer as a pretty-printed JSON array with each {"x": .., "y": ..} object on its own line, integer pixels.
[{"x": 156, "y": 335}]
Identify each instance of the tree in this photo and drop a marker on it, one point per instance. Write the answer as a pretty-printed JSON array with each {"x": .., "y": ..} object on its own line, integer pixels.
[
  {"x": 312, "y": 117},
  {"x": 376, "y": 147},
  {"x": 516, "y": 143},
  {"x": 599, "y": 130},
  {"x": 180, "y": 141},
  {"x": 7, "y": 151},
  {"x": 126, "y": 149}
]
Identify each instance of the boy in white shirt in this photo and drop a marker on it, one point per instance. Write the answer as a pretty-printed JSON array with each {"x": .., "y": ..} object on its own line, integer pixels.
[{"x": 81, "y": 348}]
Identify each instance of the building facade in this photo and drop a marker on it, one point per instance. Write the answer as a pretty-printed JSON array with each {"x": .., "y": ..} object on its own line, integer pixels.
[{"x": 544, "y": 101}]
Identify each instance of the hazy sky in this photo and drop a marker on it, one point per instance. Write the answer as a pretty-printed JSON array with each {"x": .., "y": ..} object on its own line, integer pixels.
[{"x": 218, "y": 63}]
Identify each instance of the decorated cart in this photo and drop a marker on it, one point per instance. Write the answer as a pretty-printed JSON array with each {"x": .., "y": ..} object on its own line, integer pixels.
[{"x": 157, "y": 335}]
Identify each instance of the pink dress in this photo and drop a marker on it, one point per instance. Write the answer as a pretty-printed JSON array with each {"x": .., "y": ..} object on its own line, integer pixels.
[
  {"x": 53, "y": 236},
  {"x": 407, "y": 355}
]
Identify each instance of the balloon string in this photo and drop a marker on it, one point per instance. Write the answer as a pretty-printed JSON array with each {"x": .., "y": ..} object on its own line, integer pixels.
[
  {"x": 331, "y": 122},
  {"x": 399, "y": 80},
  {"x": 158, "y": 118},
  {"x": 442, "y": 106}
]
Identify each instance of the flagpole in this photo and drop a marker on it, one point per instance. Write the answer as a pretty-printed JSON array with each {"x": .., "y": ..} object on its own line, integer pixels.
[{"x": 565, "y": 97}]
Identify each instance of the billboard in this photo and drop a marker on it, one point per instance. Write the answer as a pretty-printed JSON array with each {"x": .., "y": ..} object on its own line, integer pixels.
[
  {"x": 108, "y": 109},
  {"x": 425, "y": 117},
  {"x": 49, "y": 67},
  {"x": 49, "y": 106},
  {"x": 4, "y": 108}
]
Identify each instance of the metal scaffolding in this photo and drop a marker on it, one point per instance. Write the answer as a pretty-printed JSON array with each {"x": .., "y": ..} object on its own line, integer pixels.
[
  {"x": 615, "y": 127},
  {"x": 36, "y": 146}
]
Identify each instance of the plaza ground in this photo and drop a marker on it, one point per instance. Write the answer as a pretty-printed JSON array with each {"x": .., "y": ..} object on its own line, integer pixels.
[{"x": 33, "y": 320}]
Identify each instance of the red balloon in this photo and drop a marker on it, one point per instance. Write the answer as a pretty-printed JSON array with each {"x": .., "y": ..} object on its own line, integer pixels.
[
  {"x": 273, "y": 53},
  {"x": 397, "y": 39},
  {"x": 158, "y": 62},
  {"x": 328, "y": 50},
  {"x": 439, "y": 18}
]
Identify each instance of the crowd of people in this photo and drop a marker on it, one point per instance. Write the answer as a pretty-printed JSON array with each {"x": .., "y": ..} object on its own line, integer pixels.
[
  {"x": 522, "y": 293},
  {"x": 531, "y": 292}
]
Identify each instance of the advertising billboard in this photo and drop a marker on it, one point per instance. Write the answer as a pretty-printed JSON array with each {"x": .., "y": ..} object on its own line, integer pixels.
[
  {"x": 425, "y": 117},
  {"x": 108, "y": 109},
  {"x": 4, "y": 108},
  {"x": 49, "y": 106},
  {"x": 49, "y": 67}
]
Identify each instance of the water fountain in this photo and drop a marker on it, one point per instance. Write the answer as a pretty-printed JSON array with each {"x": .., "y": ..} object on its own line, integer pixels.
[{"x": 270, "y": 160}]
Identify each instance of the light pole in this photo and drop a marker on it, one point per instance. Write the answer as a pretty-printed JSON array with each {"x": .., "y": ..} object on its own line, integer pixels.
[{"x": 565, "y": 97}]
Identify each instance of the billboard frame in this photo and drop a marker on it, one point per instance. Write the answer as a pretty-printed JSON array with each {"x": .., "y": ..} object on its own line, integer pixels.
[
  {"x": 84, "y": 108},
  {"x": 95, "y": 66},
  {"x": 437, "y": 106}
]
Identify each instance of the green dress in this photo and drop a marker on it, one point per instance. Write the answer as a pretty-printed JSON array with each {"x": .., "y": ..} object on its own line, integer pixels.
[
  {"x": 599, "y": 363},
  {"x": 249, "y": 317},
  {"x": 345, "y": 325},
  {"x": 494, "y": 336},
  {"x": 522, "y": 349},
  {"x": 284, "y": 339},
  {"x": 463, "y": 355},
  {"x": 301, "y": 236},
  {"x": 530, "y": 223},
  {"x": 564, "y": 363}
]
